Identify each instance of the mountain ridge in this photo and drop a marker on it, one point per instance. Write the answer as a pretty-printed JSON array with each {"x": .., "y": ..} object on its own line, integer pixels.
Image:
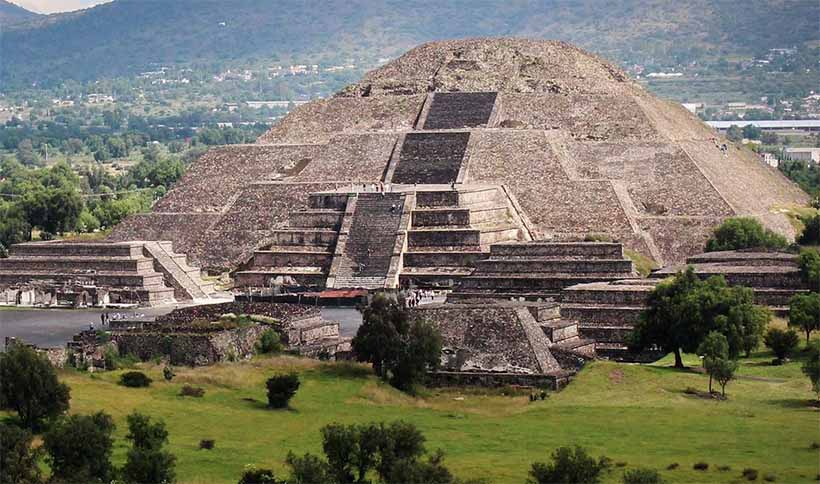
[
  {"x": 126, "y": 36},
  {"x": 13, "y": 14}
]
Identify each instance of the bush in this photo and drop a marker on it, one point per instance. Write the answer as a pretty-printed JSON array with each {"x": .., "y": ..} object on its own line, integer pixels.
[
  {"x": 750, "y": 474},
  {"x": 568, "y": 465},
  {"x": 91, "y": 460},
  {"x": 269, "y": 342},
  {"x": 701, "y": 466},
  {"x": 281, "y": 388},
  {"x": 744, "y": 233},
  {"x": 782, "y": 343},
  {"x": 29, "y": 386},
  {"x": 252, "y": 475},
  {"x": 809, "y": 263},
  {"x": 18, "y": 461},
  {"x": 672, "y": 466},
  {"x": 168, "y": 373},
  {"x": 207, "y": 444},
  {"x": 135, "y": 379},
  {"x": 724, "y": 468},
  {"x": 191, "y": 391},
  {"x": 769, "y": 478},
  {"x": 642, "y": 476},
  {"x": 597, "y": 238}
]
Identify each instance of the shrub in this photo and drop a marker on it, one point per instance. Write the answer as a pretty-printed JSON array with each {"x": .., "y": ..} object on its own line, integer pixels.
[
  {"x": 269, "y": 342},
  {"x": 18, "y": 461},
  {"x": 88, "y": 462},
  {"x": 814, "y": 445},
  {"x": 724, "y": 468},
  {"x": 744, "y": 233},
  {"x": 642, "y": 476},
  {"x": 568, "y": 465},
  {"x": 281, "y": 388},
  {"x": 750, "y": 474},
  {"x": 769, "y": 478},
  {"x": 809, "y": 263},
  {"x": 207, "y": 444},
  {"x": 29, "y": 386},
  {"x": 593, "y": 237},
  {"x": 191, "y": 391},
  {"x": 135, "y": 379},
  {"x": 168, "y": 373},
  {"x": 252, "y": 475},
  {"x": 782, "y": 343},
  {"x": 672, "y": 466},
  {"x": 811, "y": 367},
  {"x": 701, "y": 466}
]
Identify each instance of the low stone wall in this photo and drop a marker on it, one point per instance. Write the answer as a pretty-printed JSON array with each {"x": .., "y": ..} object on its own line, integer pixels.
[
  {"x": 486, "y": 379},
  {"x": 279, "y": 311},
  {"x": 444, "y": 238},
  {"x": 602, "y": 314},
  {"x": 605, "y": 334}
]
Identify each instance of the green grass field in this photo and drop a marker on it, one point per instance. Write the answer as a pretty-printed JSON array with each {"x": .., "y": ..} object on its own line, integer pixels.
[{"x": 637, "y": 415}]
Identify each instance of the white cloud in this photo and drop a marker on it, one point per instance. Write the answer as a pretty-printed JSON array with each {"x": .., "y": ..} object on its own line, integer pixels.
[{"x": 54, "y": 6}]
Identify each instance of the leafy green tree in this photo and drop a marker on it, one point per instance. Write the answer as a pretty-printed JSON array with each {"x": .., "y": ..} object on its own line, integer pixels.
[
  {"x": 804, "y": 312},
  {"x": 642, "y": 476},
  {"x": 782, "y": 343},
  {"x": 18, "y": 461},
  {"x": 724, "y": 371},
  {"x": 809, "y": 263},
  {"x": 26, "y": 154},
  {"x": 308, "y": 469},
  {"x": 281, "y": 388},
  {"x": 714, "y": 347},
  {"x": 751, "y": 131},
  {"x": 79, "y": 448},
  {"x": 29, "y": 386},
  {"x": 811, "y": 231},
  {"x": 734, "y": 133},
  {"x": 14, "y": 226},
  {"x": 147, "y": 462},
  {"x": 744, "y": 233},
  {"x": 269, "y": 342},
  {"x": 253, "y": 475},
  {"x": 811, "y": 367},
  {"x": 568, "y": 466},
  {"x": 400, "y": 351}
]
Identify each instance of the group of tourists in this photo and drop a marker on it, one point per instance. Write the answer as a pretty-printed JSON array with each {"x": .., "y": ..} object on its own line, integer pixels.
[{"x": 417, "y": 296}]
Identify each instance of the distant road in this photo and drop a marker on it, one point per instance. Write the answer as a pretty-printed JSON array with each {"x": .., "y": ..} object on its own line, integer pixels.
[{"x": 774, "y": 125}]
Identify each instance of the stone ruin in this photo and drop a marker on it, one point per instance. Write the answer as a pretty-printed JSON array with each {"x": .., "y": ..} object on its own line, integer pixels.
[
  {"x": 85, "y": 274},
  {"x": 607, "y": 311}
]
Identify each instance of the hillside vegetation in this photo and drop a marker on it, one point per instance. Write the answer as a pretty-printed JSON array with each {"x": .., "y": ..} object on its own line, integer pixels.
[
  {"x": 639, "y": 416},
  {"x": 11, "y": 14},
  {"x": 127, "y": 36}
]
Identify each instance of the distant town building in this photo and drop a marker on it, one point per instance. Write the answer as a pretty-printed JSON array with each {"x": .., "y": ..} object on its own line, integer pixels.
[
  {"x": 770, "y": 160},
  {"x": 693, "y": 107},
  {"x": 770, "y": 125},
  {"x": 273, "y": 104},
  {"x": 99, "y": 99},
  {"x": 811, "y": 155}
]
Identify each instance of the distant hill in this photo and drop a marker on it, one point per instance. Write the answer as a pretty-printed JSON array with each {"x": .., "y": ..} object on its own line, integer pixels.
[
  {"x": 11, "y": 14},
  {"x": 126, "y": 36}
]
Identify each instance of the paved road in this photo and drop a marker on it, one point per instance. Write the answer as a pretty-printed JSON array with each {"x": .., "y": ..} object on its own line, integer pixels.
[{"x": 53, "y": 327}]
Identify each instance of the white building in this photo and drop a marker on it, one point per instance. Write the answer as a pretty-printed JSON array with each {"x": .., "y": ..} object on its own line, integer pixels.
[{"x": 811, "y": 155}]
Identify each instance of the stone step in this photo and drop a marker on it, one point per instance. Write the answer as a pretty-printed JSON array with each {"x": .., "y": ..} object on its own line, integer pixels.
[
  {"x": 328, "y": 201},
  {"x": 455, "y": 258},
  {"x": 318, "y": 219},
  {"x": 91, "y": 249},
  {"x": 271, "y": 258},
  {"x": 430, "y": 158},
  {"x": 303, "y": 237},
  {"x": 603, "y": 334},
  {"x": 551, "y": 282},
  {"x": 559, "y": 330},
  {"x": 600, "y": 314},
  {"x": 288, "y": 276},
  {"x": 444, "y": 237},
  {"x": 62, "y": 263},
  {"x": 187, "y": 282},
  {"x": 535, "y": 264},
  {"x": 454, "y": 110},
  {"x": 462, "y": 294},
  {"x": 607, "y": 294},
  {"x": 114, "y": 279},
  {"x": 360, "y": 282},
  {"x": 743, "y": 258},
  {"x": 600, "y": 250}
]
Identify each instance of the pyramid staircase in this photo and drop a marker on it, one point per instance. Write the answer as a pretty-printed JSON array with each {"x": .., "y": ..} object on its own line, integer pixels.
[
  {"x": 538, "y": 271},
  {"x": 452, "y": 229},
  {"x": 301, "y": 255}
]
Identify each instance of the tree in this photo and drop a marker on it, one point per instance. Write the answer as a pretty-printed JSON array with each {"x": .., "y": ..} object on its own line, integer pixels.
[
  {"x": 308, "y": 469},
  {"x": 18, "y": 461},
  {"x": 281, "y": 388},
  {"x": 253, "y": 475},
  {"x": 811, "y": 231},
  {"x": 26, "y": 154},
  {"x": 809, "y": 263},
  {"x": 568, "y": 466},
  {"x": 642, "y": 476},
  {"x": 147, "y": 462},
  {"x": 715, "y": 347},
  {"x": 683, "y": 310},
  {"x": 724, "y": 371},
  {"x": 744, "y": 233},
  {"x": 804, "y": 312},
  {"x": 269, "y": 342},
  {"x": 782, "y": 343},
  {"x": 734, "y": 133},
  {"x": 751, "y": 131},
  {"x": 29, "y": 386},
  {"x": 400, "y": 351},
  {"x": 811, "y": 367},
  {"x": 79, "y": 448}
]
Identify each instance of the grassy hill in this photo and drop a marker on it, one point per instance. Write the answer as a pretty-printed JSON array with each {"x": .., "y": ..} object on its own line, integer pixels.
[
  {"x": 126, "y": 36},
  {"x": 11, "y": 14},
  {"x": 638, "y": 415}
]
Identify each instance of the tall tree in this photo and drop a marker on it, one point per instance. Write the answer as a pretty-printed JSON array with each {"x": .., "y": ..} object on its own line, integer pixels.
[
  {"x": 804, "y": 313},
  {"x": 29, "y": 386},
  {"x": 79, "y": 448}
]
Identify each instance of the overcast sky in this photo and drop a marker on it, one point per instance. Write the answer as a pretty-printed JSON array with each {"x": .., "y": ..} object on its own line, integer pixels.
[{"x": 52, "y": 6}]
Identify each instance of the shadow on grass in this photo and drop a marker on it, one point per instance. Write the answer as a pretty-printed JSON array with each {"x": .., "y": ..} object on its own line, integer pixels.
[
  {"x": 345, "y": 369},
  {"x": 794, "y": 403},
  {"x": 259, "y": 405}
]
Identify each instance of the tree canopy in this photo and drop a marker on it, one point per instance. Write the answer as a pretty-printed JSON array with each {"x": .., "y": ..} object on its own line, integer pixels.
[
  {"x": 29, "y": 386},
  {"x": 744, "y": 233}
]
